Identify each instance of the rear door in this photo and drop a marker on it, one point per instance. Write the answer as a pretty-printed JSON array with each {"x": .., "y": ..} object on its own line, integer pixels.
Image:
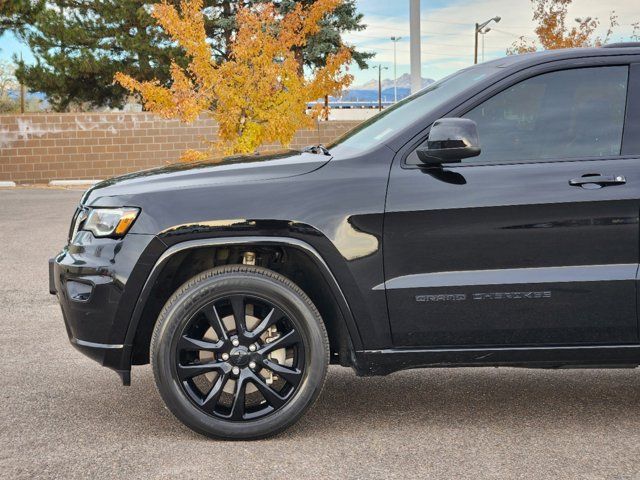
[{"x": 535, "y": 242}]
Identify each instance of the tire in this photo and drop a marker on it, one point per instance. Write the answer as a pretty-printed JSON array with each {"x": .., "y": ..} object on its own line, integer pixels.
[{"x": 250, "y": 356}]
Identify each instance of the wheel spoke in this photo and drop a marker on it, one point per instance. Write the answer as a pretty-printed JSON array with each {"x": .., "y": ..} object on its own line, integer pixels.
[
  {"x": 272, "y": 317},
  {"x": 215, "y": 322},
  {"x": 193, "y": 344},
  {"x": 211, "y": 401},
  {"x": 289, "y": 339},
  {"x": 235, "y": 357},
  {"x": 237, "y": 408},
  {"x": 237, "y": 305},
  {"x": 272, "y": 397},
  {"x": 193, "y": 370},
  {"x": 291, "y": 375}
]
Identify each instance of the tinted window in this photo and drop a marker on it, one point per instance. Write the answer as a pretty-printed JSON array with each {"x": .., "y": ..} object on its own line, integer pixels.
[{"x": 567, "y": 114}]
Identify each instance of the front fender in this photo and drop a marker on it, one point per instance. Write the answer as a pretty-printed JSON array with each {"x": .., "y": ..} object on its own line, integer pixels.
[{"x": 339, "y": 296}]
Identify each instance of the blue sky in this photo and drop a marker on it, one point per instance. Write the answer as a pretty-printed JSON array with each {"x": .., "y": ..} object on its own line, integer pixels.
[
  {"x": 9, "y": 46},
  {"x": 447, "y": 31}
]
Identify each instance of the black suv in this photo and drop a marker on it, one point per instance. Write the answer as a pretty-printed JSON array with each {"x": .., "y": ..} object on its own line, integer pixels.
[{"x": 490, "y": 219}]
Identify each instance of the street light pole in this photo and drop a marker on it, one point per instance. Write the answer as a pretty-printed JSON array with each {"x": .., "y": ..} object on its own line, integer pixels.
[
  {"x": 395, "y": 68},
  {"x": 380, "y": 68},
  {"x": 481, "y": 30},
  {"x": 416, "y": 61},
  {"x": 475, "y": 51}
]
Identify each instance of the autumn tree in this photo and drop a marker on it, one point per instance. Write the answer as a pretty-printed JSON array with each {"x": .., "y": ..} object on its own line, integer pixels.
[
  {"x": 554, "y": 31},
  {"x": 221, "y": 26},
  {"x": 259, "y": 94}
]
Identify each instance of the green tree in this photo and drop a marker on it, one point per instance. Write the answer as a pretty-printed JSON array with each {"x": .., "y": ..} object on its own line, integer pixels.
[
  {"x": 80, "y": 45},
  {"x": 16, "y": 14}
]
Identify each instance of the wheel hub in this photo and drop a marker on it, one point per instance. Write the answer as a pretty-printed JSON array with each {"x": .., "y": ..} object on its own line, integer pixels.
[{"x": 239, "y": 356}]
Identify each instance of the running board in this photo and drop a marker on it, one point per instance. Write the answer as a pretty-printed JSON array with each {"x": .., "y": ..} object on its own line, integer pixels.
[{"x": 382, "y": 362}]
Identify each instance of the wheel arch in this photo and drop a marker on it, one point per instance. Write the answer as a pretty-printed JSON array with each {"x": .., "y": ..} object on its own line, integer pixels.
[{"x": 202, "y": 254}]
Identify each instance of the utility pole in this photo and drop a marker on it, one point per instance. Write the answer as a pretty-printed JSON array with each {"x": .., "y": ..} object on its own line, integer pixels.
[
  {"x": 480, "y": 29},
  {"x": 21, "y": 91},
  {"x": 380, "y": 68},
  {"x": 416, "y": 61},
  {"x": 395, "y": 68},
  {"x": 475, "y": 50}
]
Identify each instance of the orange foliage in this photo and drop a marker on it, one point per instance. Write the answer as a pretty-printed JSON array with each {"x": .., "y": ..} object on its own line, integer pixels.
[
  {"x": 553, "y": 31},
  {"x": 259, "y": 94}
]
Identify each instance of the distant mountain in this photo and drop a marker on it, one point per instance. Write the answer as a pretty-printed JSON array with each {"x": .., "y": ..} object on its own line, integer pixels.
[
  {"x": 368, "y": 92},
  {"x": 372, "y": 95},
  {"x": 404, "y": 81}
]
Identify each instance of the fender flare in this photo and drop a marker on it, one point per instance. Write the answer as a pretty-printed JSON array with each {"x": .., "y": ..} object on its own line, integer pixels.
[{"x": 326, "y": 272}]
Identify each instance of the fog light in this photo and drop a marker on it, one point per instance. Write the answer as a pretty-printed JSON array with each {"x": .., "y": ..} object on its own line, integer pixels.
[{"x": 79, "y": 292}]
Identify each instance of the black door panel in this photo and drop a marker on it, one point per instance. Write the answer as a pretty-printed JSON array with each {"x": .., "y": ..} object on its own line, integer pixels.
[{"x": 514, "y": 255}]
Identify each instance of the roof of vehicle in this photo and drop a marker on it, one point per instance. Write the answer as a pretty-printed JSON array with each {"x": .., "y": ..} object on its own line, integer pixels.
[{"x": 628, "y": 48}]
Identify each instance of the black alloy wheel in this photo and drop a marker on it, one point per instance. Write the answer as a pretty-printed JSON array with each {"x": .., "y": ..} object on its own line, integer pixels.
[
  {"x": 239, "y": 352},
  {"x": 240, "y": 358}
]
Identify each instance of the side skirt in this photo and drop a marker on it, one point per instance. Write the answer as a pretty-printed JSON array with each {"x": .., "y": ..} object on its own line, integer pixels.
[{"x": 383, "y": 362}]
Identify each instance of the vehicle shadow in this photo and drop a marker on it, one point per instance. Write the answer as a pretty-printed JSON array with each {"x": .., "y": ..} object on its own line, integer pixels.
[
  {"x": 474, "y": 397},
  {"x": 437, "y": 398}
]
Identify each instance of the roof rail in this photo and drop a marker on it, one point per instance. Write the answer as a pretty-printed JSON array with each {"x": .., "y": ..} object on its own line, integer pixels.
[{"x": 622, "y": 45}]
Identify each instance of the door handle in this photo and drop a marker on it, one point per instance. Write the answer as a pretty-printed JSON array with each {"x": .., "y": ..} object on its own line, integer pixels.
[{"x": 595, "y": 180}]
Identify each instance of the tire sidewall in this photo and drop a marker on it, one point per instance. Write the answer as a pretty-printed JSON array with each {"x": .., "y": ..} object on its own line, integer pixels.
[{"x": 195, "y": 295}]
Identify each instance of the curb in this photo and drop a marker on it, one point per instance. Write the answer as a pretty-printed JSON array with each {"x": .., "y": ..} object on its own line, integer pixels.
[
  {"x": 7, "y": 184},
  {"x": 72, "y": 183}
]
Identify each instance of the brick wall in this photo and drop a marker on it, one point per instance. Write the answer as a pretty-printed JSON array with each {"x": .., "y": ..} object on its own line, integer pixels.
[{"x": 38, "y": 148}]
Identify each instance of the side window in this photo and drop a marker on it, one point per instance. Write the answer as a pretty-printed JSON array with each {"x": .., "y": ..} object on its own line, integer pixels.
[{"x": 560, "y": 115}]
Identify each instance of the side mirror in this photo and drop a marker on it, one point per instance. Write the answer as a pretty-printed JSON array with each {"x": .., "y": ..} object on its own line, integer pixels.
[{"x": 450, "y": 140}]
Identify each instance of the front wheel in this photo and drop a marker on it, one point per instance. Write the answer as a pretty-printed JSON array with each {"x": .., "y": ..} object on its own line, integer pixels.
[{"x": 239, "y": 352}]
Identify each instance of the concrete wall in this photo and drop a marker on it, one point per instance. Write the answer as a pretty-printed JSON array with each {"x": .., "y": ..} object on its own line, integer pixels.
[{"x": 37, "y": 148}]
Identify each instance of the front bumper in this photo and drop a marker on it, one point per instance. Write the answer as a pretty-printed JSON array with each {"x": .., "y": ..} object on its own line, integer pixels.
[{"x": 92, "y": 280}]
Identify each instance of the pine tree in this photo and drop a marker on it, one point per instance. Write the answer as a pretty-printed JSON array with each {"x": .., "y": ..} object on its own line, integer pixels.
[
  {"x": 80, "y": 45},
  {"x": 16, "y": 14}
]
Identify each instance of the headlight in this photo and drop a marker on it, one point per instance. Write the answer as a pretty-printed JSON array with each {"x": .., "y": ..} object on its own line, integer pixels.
[{"x": 109, "y": 222}]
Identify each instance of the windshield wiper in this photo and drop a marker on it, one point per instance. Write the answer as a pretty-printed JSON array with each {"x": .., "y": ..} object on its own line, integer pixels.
[{"x": 317, "y": 150}]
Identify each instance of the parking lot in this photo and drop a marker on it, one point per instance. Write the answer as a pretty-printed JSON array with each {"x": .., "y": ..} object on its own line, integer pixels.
[{"x": 64, "y": 416}]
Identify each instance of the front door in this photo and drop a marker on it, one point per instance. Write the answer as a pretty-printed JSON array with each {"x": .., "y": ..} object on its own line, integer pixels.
[{"x": 534, "y": 242}]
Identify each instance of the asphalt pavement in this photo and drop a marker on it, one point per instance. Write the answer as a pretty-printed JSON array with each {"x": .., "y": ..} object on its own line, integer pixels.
[{"x": 64, "y": 416}]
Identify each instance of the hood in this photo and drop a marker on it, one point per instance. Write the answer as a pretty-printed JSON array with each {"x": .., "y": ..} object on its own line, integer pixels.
[{"x": 240, "y": 169}]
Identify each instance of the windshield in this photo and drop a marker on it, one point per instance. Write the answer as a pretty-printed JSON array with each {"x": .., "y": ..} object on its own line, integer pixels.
[{"x": 384, "y": 125}]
